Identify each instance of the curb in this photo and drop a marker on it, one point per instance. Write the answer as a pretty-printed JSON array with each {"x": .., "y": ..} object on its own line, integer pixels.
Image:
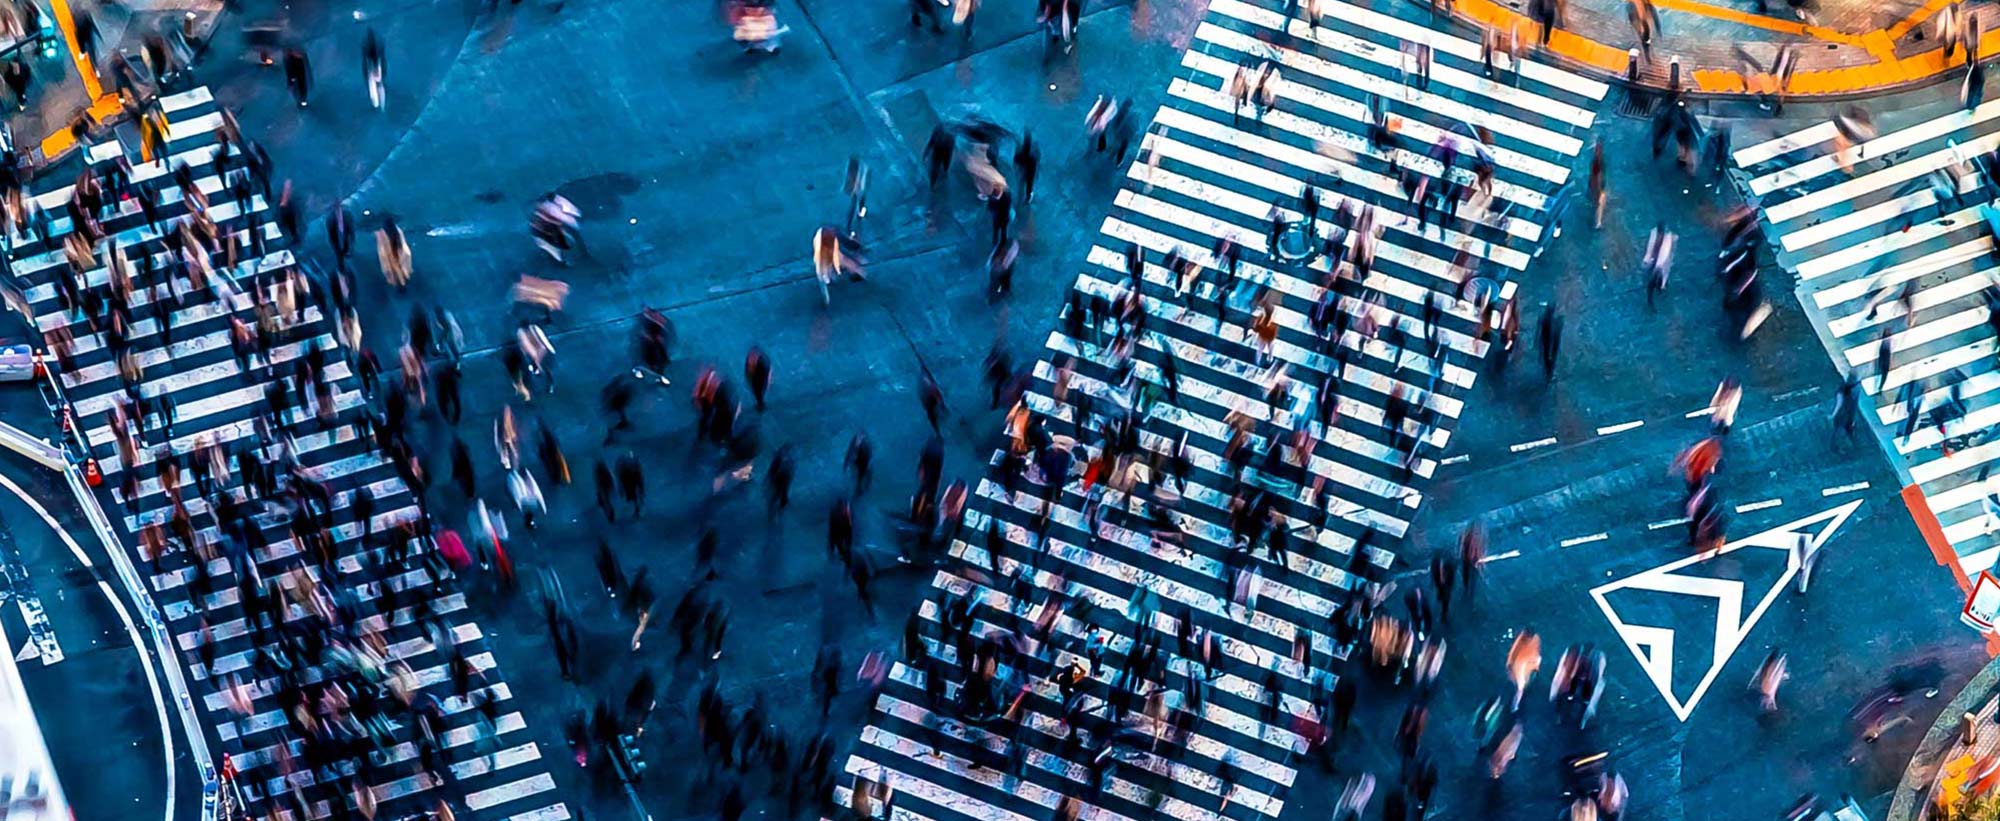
[{"x": 1581, "y": 54}]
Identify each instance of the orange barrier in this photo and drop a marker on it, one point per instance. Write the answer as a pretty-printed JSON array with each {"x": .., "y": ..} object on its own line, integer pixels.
[{"x": 1927, "y": 523}]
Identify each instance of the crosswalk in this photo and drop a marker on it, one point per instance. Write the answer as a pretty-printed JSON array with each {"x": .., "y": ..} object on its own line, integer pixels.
[
  {"x": 1892, "y": 243},
  {"x": 1052, "y": 578},
  {"x": 492, "y": 766}
]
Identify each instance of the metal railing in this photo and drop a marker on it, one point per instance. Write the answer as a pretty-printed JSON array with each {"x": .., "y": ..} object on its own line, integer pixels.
[{"x": 73, "y": 445}]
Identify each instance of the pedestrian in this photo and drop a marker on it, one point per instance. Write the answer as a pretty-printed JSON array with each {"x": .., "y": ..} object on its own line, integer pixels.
[
  {"x": 778, "y": 482},
  {"x": 1549, "y": 339},
  {"x": 606, "y": 489},
  {"x": 925, "y": 11},
  {"x": 298, "y": 75},
  {"x": 373, "y": 62},
  {"x": 1769, "y": 676},
  {"x": 632, "y": 482},
  {"x": 757, "y": 372},
  {"x": 1027, "y": 160}
]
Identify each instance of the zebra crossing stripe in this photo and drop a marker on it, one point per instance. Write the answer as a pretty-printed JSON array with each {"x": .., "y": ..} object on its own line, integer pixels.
[
  {"x": 500, "y": 778},
  {"x": 1855, "y": 243},
  {"x": 1208, "y": 174}
]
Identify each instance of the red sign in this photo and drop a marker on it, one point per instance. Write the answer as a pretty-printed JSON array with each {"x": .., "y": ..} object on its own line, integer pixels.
[{"x": 1982, "y": 608}]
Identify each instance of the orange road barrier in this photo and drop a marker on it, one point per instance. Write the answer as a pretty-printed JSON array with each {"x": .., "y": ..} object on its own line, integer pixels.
[{"x": 1927, "y": 523}]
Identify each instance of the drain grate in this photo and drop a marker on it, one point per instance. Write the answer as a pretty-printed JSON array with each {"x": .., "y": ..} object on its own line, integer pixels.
[{"x": 1640, "y": 104}]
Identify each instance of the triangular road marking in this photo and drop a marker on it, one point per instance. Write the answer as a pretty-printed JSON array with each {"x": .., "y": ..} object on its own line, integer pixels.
[
  {"x": 28, "y": 651},
  {"x": 1653, "y": 645}
]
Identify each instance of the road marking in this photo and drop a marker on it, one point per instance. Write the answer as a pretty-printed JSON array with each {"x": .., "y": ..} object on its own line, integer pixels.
[
  {"x": 1538, "y": 443},
  {"x": 1843, "y": 488},
  {"x": 1456, "y": 460},
  {"x": 1703, "y": 412},
  {"x": 1607, "y": 430},
  {"x": 1732, "y": 607},
  {"x": 1594, "y": 537},
  {"x": 1767, "y": 503},
  {"x": 1498, "y": 556},
  {"x": 1667, "y": 523}
]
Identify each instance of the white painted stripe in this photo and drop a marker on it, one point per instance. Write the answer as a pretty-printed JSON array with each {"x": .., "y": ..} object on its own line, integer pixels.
[
  {"x": 1440, "y": 73},
  {"x": 1538, "y": 443},
  {"x": 1930, "y": 435},
  {"x": 1214, "y": 99},
  {"x": 1453, "y": 460},
  {"x": 1145, "y": 546},
  {"x": 1882, "y": 146},
  {"x": 1664, "y": 523},
  {"x": 1377, "y": 280},
  {"x": 1702, "y": 412},
  {"x": 1838, "y": 489},
  {"x": 1459, "y": 47},
  {"x": 1932, "y": 296},
  {"x": 514, "y": 791},
  {"x": 1077, "y": 632},
  {"x": 187, "y": 413},
  {"x": 1976, "y": 386},
  {"x": 1920, "y": 203},
  {"x": 1890, "y": 243},
  {"x": 1357, "y": 110},
  {"x": 1071, "y": 772},
  {"x": 1174, "y": 119},
  {"x": 560, "y": 812},
  {"x": 1287, "y": 186},
  {"x": 1777, "y": 146},
  {"x": 201, "y": 157},
  {"x": 1026, "y": 789},
  {"x": 1763, "y": 505},
  {"x": 175, "y": 381},
  {"x": 1929, "y": 366},
  {"x": 1831, "y": 294},
  {"x": 1110, "y": 274},
  {"x": 1581, "y": 540},
  {"x": 930, "y": 793},
  {"x": 1922, "y": 333},
  {"x": 1500, "y": 557},
  {"x": 1621, "y": 427},
  {"x": 1927, "y": 471},
  {"x": 1255, "y": 211}
]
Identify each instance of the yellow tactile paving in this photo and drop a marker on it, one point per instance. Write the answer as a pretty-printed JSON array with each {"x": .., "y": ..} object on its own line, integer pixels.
[{"x": 1888, "y": 69}]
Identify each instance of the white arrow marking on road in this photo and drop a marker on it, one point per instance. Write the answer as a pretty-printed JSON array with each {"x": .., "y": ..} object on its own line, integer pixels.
[{"x": 1653, "y": 645}]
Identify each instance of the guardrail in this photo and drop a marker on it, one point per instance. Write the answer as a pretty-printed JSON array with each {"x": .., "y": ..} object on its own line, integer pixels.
[
  {"x": 21, "y": 442},
  {"x": 73, "y": 452}
]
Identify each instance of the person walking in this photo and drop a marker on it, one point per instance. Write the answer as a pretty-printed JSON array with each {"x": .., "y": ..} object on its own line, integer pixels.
[
  {"x": 373, "y": 62},
  {"x": 298, "y": 75},
  {"x": 757, "y": 372},
  {"x": 1549, "y": 339}
]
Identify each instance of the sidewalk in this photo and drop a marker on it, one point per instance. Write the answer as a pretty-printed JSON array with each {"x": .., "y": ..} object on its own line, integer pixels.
[
  {"x": 68, "y": 87},
  {"x": 1943, "y": 744},
  {"x": 1841, "y": 47}
]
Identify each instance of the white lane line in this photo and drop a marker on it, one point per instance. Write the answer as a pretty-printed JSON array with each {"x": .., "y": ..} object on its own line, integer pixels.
[
  {"x": 131, "y": 632},
  {"x": 1538, "y": 443},
  {"x": 1667, "y": 523},
  {"x": 1594, "y": 537},
  {"x": 1499, "y": 556},
  {"x": 1837, "y": 489},
  {"x": 1621, "y": 427},
  {"x": 1767, "y": 503},
  {"x": 1702, "y": 412},
  {"x": 1456, "y": 460}
]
